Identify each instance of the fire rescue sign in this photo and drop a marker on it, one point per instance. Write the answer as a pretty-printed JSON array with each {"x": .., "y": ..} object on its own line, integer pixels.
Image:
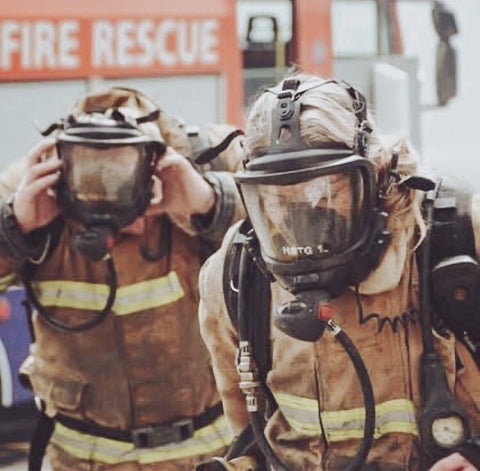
[{"x": 62, "y": 48}]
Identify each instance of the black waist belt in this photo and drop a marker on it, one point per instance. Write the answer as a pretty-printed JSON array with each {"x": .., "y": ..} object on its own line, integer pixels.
[{"x": 150, "y": 436}]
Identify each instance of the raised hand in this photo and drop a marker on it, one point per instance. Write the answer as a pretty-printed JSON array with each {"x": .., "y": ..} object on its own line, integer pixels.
[
  {"x": 34, "y": 205},
  {"x": 183, "y": 190}
]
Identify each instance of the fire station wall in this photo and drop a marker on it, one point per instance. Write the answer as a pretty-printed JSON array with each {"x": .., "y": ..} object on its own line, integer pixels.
[
  {"x": 25, "y": 103},
  {"x": 196, "y": 99}
]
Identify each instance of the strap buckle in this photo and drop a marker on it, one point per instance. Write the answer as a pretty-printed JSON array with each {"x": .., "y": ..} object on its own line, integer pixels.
[{"x": 151, "y": 437}]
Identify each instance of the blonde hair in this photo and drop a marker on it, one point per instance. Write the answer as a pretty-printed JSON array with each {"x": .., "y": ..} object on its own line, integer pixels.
[{"x": 327, "y": 117}]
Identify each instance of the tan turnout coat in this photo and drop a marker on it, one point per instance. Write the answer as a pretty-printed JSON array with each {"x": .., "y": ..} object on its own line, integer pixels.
[{"x": 319, "y": 422}]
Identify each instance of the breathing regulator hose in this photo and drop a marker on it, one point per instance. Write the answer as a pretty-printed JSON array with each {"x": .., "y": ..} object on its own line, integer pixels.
[
  {"x": 251, "y": 385},
  {"x": 82, "y": 327},
  {"x": 368, "y": 398}
]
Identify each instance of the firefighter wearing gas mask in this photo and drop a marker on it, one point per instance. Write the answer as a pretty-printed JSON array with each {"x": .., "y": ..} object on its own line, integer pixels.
[
  {"x": 357, "y": 379},
  {"x": 107, "y": 223}
]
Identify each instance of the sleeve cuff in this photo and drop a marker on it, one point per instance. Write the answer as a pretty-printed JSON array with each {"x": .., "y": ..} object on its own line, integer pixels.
[
  {"x": 13, "y": 242},
  {"x": 214, "y": 224}
]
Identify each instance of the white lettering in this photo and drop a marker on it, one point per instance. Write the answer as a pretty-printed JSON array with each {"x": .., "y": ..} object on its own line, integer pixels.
[
  {"x": 68, "y": 44},
  {"x": 165, "y": 29},
  {"x": 125, "y": 43},
  {"x": 145, "y": 43},
  {"x": 102, "y": 44},
  {"x": 44, "y": 40},
  {"x": 49, "y": 44},
  {"x": 188, "y": 39},
  {"x": 9, "y": 43},
  {"x": 129, "y": 43},
  {"x": 26, "y": 54},
  {"x": 209, "y": 43},
  {"x": 295, "y": 251},
  {"x": 39, "y": 44}
]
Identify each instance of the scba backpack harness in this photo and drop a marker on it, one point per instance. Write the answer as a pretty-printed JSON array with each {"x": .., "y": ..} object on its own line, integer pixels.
[{"x": 452, "y": 279}]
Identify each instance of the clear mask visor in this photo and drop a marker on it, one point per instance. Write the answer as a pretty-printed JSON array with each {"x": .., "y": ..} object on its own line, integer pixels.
[
  {"x": 313, "y": 219},
  {"x": 104, "y": 173}
]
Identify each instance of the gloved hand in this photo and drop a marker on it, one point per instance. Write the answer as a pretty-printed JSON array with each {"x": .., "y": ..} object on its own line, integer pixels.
[
  {"x": 34, "y": 206},
  {"x": 184, "y": 191}
]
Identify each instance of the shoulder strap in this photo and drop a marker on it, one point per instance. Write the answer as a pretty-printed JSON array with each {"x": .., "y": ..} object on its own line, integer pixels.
[
  {"x": 257, "y": 323},
  {"x": 453, "y": 269},
  {"x": 204, "y": 155},
  {"x": 259, "y": 297},
  {"x": 452, "y": 231},
  {"x": 258, "y": 300}
]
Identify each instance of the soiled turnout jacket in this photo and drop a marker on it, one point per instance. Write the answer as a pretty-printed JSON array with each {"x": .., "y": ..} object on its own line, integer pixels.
[
  {"x": 145, "y": 365},
  {"x": 320, "y": 417}
]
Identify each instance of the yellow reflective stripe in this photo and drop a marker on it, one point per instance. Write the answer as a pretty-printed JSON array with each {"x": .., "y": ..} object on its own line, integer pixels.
[
  {"x": 395, "y": 416},
  {"x": 6, "y": 281},
  {"x": 301, "y": 413},
  {"x": 206, "y": 440},
  {"x": 296, "y": 402},
  {"x": 93, "y": 296}
]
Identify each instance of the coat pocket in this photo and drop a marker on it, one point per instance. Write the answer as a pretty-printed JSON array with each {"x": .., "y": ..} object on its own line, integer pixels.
[{"x": 59, "y": 390}]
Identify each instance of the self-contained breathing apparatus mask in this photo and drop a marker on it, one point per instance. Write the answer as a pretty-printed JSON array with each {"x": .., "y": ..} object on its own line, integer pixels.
[
  {"x": 106, "y": 180},
  {"x": 315, "y": 211}
]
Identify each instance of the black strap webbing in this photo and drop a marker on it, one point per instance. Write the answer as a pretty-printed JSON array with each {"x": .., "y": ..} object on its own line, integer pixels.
[
  {"x": 256, "y": 322},
  {"x": 90, "y": 428},
  {"x": 40, "y": 438},
  {"x": 182, "y": 429},
  {"x": 213, "y": 152},
  {"x": 259, "y": 299}
]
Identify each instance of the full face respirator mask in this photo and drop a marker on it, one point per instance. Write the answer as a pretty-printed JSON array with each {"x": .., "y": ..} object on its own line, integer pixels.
[
  {"x": 315, "y": 212},
  {"x": 106, "y": 179}
]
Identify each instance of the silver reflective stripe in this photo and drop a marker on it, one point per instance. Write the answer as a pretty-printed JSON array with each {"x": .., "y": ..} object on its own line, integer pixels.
[
  {"x": 93, "y": 296},
  {"x": 303, "y": 415},
  {"x": 206, "y": 440}
]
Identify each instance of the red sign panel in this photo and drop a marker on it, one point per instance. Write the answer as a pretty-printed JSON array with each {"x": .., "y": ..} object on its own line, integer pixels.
[
  {"x": 62, "y": 39},
  {"x": 77, "y": 47}
]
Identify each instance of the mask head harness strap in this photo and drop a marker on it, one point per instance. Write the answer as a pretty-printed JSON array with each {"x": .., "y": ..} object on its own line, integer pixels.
[
  {"x": 286, "y": 116},
  {"x": 113, "y": 113},
  {"x": 360, "y": 141}
]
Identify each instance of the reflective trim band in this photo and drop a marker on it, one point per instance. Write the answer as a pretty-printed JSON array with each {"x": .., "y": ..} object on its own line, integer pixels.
[
  {"x": 6, "y": 281},
  {"x": 301, "y": 413},
  {"x": 206, "y": 440},
  {"x": 91, "y": 296},
  {"x": 395, "y": 416}
]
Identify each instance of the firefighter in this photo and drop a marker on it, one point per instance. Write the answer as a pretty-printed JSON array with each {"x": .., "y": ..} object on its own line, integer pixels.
[
  {"x": 107, "y": 223},
  {"x": 347, "y": 372}
]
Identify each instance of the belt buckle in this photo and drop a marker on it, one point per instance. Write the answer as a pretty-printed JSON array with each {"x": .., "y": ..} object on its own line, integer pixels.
[{"x": 151, "y": 437}]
